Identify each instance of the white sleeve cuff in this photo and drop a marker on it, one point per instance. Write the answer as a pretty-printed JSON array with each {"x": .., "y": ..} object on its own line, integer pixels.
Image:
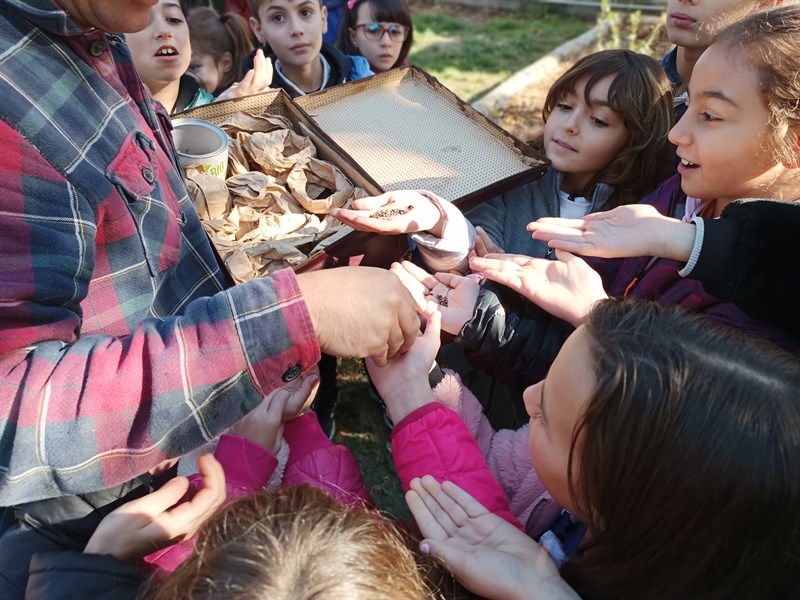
[
  {"x": 699, "y": 231},
  {"x": 449, "y": 252}
]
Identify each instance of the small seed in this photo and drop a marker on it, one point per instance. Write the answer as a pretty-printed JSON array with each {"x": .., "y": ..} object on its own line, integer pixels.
[{"x": 388, "y": 213}]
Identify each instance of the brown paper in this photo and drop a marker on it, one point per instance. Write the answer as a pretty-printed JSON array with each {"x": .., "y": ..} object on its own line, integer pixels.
[
  {"x": 276, "y": 152},
  {"x": 318, "y": 186},
  {"x": 272, "y": 212},
  {"x": 210, "y": 194}
]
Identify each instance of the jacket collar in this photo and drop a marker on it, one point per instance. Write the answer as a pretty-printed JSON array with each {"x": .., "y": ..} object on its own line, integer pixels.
[{"x": 45, "y": 15}]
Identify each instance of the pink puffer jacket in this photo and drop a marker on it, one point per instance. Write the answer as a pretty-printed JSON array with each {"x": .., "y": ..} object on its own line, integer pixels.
[
  {"x": 434, "y": 440},
  {"x": 506, "y": 452},
  {"x": 311, "y": 458}
]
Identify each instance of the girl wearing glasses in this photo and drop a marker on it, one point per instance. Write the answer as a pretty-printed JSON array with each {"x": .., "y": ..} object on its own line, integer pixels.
[{"x": 379, "y": 30}]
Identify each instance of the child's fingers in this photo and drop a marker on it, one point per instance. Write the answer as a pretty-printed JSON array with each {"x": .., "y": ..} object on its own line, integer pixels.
[
  {"x": 426, "y": 522},
  {"x": 451, "y": 280},
  {"x": 414, "y": 286},
  {"x": 421, "y": 275},
  {"x": 184, "y": 519},
  {"x": 159, "y": 501},
  {"x": 430, "y": 497},
  {"x": 471, "y": 507},
  {"x": 450, "y": 505}
]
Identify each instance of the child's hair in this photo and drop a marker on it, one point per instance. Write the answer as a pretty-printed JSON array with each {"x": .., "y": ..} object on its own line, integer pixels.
[
  {"x": 255, "y": 4},
  {"x": 642, "y": 95},
  {"x": 688, "y": 457},
  {"x": 386, "y": 11},
  {"x": 770, "y": 41},
  {"x": 298, "y": 543},
  {"x": 214, "y": 35}
]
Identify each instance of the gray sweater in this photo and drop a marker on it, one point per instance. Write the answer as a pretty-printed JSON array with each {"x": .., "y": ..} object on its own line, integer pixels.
[{"x": 504, "y": 219}]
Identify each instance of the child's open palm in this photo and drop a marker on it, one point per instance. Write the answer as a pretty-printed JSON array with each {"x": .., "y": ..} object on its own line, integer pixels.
[
  {"x": 403, "y": 211},
  {"x": 454, "y": 296},
  {"x": 567, "y": 288},
  {"x": 484, "y": 552},
  {"x": 255, "y": 81}
]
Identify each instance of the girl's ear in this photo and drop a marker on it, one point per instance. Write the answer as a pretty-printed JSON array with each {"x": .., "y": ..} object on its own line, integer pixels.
[
  {"x": 255, "y": 26},
  {"x": 352, "y": 33},
  {"x": 324, "y": 13},
  {"x": 225, "y": 63}
]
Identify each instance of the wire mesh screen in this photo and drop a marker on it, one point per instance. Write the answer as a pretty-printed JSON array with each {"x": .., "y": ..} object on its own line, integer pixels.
[{"x": 409, "y": 132}]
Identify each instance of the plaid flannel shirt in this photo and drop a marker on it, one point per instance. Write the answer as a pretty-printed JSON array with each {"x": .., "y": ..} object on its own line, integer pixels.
[{"x": 121, "y": 342}]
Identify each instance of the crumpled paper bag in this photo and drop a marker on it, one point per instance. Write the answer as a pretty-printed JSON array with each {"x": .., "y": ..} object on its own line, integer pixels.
[
  {"x": 273, "y": 210},
  {"x": 210, "y": 194},
  {"x": 318, "y": 185}
]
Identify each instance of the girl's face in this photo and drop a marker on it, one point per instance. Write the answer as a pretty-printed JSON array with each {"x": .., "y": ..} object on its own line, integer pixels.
[
  {"x": 725, "y": 139},
  {"x": 555, "y": 406},
  {"x": 581, "y": 139},
  {"x": 206, "y": 69},
  {"x": 293, "y": 29},
  {"x": 695, "y": 23},
  {"x": 379, "y": 42},
  {"x": 161, "y": 51}
]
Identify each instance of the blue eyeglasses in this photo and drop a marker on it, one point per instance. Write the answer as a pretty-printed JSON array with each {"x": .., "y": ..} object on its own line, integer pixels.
[{"x": 375, "y": 31}]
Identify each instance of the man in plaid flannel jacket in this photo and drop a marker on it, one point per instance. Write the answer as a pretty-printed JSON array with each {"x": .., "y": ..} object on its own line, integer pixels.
[{"x": 121, "y": 340}]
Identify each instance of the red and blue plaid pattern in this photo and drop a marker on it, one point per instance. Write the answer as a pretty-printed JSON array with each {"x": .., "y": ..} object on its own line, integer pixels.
[{"x": 120, "y": 342}]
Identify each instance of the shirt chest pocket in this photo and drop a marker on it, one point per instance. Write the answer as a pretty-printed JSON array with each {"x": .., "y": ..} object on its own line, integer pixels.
[{"x": 136, "y": 174}]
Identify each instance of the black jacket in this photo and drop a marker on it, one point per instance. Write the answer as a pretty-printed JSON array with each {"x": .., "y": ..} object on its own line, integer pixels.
[
  {"x": 511, "y": 338},
  {"x": 750, "y": 257}
]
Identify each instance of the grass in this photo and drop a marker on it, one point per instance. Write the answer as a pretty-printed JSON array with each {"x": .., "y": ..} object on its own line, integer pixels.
[{"x": 472, "y": 55}]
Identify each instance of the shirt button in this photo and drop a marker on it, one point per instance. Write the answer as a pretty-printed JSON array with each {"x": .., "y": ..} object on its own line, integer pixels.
[
  {"x": 148, "y": 175},
  {"x": 292, "y": 373},
  {"x": 97, "y": 48}
]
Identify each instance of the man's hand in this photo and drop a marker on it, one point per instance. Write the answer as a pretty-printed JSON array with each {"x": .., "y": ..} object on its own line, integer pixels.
[
  {"x": 360, "y": 311},
  {"x": 484, "y": 552},
  {"x": 630, "y": 230},
  {"x": 264, "y": 424},
  {"x": 255, "y": 81},
  {"x": 147, "y": 524},
  {"x": 403, "y": 211},
  {"x": 453, "y": 295},
  {"x": 567, "y": 288},
  {"x": 403, "y": 381}
]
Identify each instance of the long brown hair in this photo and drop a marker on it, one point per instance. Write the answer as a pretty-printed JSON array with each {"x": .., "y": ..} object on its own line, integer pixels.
[
  {"x": 641, "y": 94},
  {"x": 770, "y": 41},
  {"x": 215, "y": 35},
  {"x": 293, "y": 544},
  {"x": 689, "y": 461}
]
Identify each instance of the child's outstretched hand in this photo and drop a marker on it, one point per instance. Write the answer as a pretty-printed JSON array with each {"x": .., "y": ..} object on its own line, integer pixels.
[
  {"x": 264, "y": 424},
  {"x": 567, "y": 288},
  {"x": 255, "y": 81},
  {"x": 142, "y": 526},
  {"x": 403, "y": 381},
  {"x": 484, "y": 244},
  {"x": 486, "y": 553},
  {"x": 454, "y": 296},
  {"x": 630, "y": 230},
  {"x": 403, "y": 211}
]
